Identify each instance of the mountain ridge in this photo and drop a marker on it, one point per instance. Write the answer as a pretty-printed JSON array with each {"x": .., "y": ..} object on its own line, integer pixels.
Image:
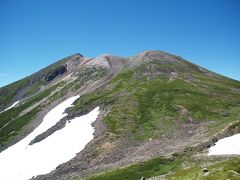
[
  {"x": 74, "y": 60},
  {"x": 153, "y": 104}
]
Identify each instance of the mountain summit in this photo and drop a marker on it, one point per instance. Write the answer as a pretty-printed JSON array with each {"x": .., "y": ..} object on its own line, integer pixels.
[{"x": 157, "y": 111}]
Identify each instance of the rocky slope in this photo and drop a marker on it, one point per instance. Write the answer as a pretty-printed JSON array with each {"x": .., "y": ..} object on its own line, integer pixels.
[{"x": 152, "y": 105}]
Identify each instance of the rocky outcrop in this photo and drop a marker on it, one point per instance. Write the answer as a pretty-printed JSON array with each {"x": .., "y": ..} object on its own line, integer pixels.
[{"x": 59, "y": 71}]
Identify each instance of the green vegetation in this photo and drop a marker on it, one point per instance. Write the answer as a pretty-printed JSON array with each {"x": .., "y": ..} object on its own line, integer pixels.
[
  {"x": 8, "y": 92},
  {"x": 149, "y": 106},
  {"x": 144, "y": 107},
  {"x": 84, "y": 75},
  {"x": 11, "y": 122},
  {"x": 13, "y": 127},
  {"x": 29, "y": 84},
  {"x": 180, "y": 168},
  {"x": 219, "y": 170},
  {"x": 153, "y": 167},
  {"x": 34, "y": 89},
  {"x": 150, "y": 101},
  {"x": 144, "y": 102}
]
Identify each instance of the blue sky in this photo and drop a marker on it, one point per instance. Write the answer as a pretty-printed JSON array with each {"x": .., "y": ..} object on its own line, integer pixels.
[{"x": 34, "y": 34}]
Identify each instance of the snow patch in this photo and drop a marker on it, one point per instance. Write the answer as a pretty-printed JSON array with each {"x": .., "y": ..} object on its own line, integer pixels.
[
  {"x": 23, "y": 161},
  {"x": 226, "y": 146},
  {"x": 14, "y": 104}
]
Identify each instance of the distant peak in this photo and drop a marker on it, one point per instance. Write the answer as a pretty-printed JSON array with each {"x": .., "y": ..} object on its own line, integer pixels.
[
  {"x": 151, "y": 52},
  {"x": 78, "y": 54},
  {"x": 106, "y": 55}
]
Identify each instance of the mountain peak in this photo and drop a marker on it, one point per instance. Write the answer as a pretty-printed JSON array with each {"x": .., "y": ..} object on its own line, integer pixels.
[
  {"x": 149, "y": 52},
  {"x": 152, "y": 99}
]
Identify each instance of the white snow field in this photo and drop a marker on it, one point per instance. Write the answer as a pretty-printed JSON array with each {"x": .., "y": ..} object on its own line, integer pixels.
[
  {"x": 23, "y": 161},
  {"x": 14, "y": 104},
  {"x": 226, "y": 146}
]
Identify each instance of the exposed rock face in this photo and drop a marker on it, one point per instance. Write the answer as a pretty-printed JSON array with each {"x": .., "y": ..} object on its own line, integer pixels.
[
  {"x": 74, "y": 62},
  {"x": 59, "y": 71},
  {"x": 19, "y": 89},
  {"x": 114, "y": 63}
]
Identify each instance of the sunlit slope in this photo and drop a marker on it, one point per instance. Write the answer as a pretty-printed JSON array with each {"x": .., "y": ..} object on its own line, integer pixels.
[
  {"x": 156, "y": 99},
  {"x": 160, "y": 104},
  {"x": 34, "y": 82},
  {"x": 153, "y": 104},
  {"x": 35, "y": 99}
]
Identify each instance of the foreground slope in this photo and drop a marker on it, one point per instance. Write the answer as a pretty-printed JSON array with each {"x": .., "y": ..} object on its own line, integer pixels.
[{"x": 152, "y": 104}]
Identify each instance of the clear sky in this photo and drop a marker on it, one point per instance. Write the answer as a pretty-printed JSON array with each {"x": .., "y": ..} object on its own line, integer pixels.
[{"x": 36, "y": 33}]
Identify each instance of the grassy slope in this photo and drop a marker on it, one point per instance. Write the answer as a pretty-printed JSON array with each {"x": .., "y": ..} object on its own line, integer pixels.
[
  {"x": 146, "y": 169},
  {"x": 147, "y": 108},
  {"x": 11, "y": 122},
  {"x": 32, "y": 82},
  {"x": 176, "y": 168},
  {"x": 145, "y": 104},
  {"x": 218, "y": 170}
]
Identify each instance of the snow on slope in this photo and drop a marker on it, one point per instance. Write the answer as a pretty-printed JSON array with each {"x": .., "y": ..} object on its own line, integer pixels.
[
  {"x": 226, "y": 146},
  {"x": 23, "y": 161},
  {"x": 14, "y": 104}
]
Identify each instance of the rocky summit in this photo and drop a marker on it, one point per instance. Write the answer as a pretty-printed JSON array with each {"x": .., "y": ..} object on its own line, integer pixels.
[{"x": 158, "y": 116}]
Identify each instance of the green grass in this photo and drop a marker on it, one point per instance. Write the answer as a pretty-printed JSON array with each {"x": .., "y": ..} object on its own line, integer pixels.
[
  {"x": 34, "y": 89},
  {"x": 13, "y": 128},
  {"x": 153, "y": 167},
  {"x": 178, "y": 168},
  {"x": 228, "y": 169},
  {"x": 9, "y": 91},
  {"x": 143, "y": 108},
  {"x": 10, "y": 121},
  {"x": 84, "y": 75},
  {"x": 29, "y": 84},
  {"x": 143, "y": 103}
]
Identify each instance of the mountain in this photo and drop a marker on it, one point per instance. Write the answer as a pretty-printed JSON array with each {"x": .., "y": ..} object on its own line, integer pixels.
[{"x": 159, "y": 114}]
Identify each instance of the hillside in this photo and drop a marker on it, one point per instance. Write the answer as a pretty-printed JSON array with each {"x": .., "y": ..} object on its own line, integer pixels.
[{"x": 158, "y": 114}]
